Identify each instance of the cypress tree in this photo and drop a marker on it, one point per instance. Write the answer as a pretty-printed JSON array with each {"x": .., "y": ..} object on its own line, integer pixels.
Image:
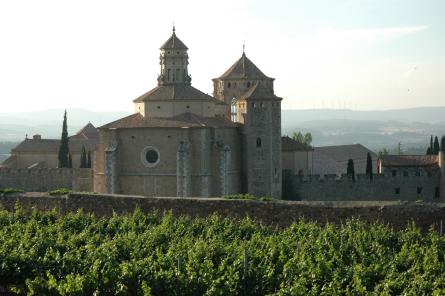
[
  {"x": 431, "y": 145},
  {"x": 442, "y": 144},
  {"x": 428, "y": 151},
  {"x": 64, "y": 149},
  {"x": 70, "y": 161},
  {"x": 436, "y": 147},
  {"x": 83, "y": 158},
  {"x": 350, "y": 170},
  {"x": 369, "y": 166},
  {"x": 89, "y": 160}
]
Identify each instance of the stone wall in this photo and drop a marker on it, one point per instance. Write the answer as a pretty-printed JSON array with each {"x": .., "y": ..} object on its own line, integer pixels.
[
  {"x": 382, "y": 187},
  {"x": 46, "y": 179},
  {"x": 277, "y": 213}
]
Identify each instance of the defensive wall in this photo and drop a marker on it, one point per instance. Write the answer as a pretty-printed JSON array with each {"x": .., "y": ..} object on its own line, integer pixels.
[
  {"x": 45, "y": 179},
  {"x": 274, "y": 213},
  {"x": 409, "y": 187}
]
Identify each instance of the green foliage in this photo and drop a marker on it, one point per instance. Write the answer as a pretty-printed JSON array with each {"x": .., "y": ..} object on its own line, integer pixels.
[
  {"x": 6, "y": 191},
  {"x": 436, "y": 146},
  {"x": 60, "y": 191},
  {"x": 83, "y": 158},
  {"x": 350, "y": 171},
  {"x": 303, "y": 139},
  {"x": 369, "y": 166},
  {"x": 64, "y": 155},
  {"x": 42, "y": 253},
  {"x": 289, "y": 185},
  {"x": 89, "y": 160}
]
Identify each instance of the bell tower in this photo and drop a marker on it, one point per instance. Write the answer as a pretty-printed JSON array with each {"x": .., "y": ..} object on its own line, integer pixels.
[
  {"x": 251, "y": 100},
  {"x": 174, "y": 62}
]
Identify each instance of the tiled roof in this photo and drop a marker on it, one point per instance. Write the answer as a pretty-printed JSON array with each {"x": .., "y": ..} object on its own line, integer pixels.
[
  {"x": 243, "y": 68},
  {"x": 409, "y": 160},
  {"x": 183, "y": 120},
  {"x": 342, "y": 153},
  {"x": 289, "y": 145},
  {"x": 259, "y": 92},
  {"x": 173, "y": 92},
  {"x": 88, "y": 136},
  {"x": 173, "y": 43}
]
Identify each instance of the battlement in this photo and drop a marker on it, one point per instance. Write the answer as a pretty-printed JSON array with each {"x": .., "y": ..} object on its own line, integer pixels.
[{"x": 403, "y": 186}]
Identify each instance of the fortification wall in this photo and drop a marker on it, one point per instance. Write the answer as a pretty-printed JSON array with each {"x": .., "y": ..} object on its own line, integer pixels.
[
  {"x": 383, "y": 187},
  {"x": 279, "y": 213},
  {"x": 45, "y": 179}
]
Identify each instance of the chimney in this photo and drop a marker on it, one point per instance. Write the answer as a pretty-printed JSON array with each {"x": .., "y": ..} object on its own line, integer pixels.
[{"x": 37, "y": 137}]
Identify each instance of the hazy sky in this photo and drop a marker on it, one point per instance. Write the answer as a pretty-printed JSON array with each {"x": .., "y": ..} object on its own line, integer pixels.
[{"x": 100, "y": 55}]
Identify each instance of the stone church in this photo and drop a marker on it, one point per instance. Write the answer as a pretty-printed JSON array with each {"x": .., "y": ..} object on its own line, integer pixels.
[{"x": 183, "y": 142}]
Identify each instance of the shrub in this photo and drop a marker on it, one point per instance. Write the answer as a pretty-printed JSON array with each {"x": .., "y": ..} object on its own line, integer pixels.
[{"x": 60, "y": 191}]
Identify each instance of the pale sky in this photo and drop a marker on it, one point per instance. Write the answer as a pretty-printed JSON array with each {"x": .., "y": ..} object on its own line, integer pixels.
[{"x": 102, "y": 54}]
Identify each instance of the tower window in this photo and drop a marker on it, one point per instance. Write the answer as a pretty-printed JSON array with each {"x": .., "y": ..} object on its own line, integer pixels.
[
  {"x": 436, "y": 192},
  {"x": 397, "y": 190},
  {"x": 258, "y": 142},
  {"x": 248, "y": 84},
  {"x": 419, "y": 190},
  {"x": 188, "y": 107},
  {"x": 168, "y": 74},
  {"x": 233, "y": 110},
  {"x": 228, "y": 85}
]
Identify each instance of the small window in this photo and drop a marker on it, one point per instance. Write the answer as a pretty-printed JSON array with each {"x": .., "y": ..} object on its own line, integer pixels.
[
  {"x": 417, "y": 173},
  {"x": 168, "y": 52},
  {"x": 419, "y": 190},
  {"x": 405, "y": 173},
  {"x": 188, "y": 107},
  {"x": 159, "y": 107},
  {"x": 429, "y": 174},
  {"x": 436, "y": 192},
  {"x": 248, "y": 84},
  {"x": 397, "y": 190},
  {"x": 258, "y": 142},
  {"x": 394, "y": 173},
  {"x": 228, "y": 85},
  {"x": 177, "y": 52}
]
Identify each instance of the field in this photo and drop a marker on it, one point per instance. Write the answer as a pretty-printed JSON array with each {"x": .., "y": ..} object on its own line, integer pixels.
[{"x": 42, "y": 253}]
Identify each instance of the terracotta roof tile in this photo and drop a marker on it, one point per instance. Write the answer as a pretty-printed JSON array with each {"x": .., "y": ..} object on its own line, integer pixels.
[
  {"x": 243, "y": 68},
  {"x": 173, "y": 92},
  {"x": 173, "y": 43},
  {"x": 289, "y": 145},
  {"x": 186, "y": 120}
]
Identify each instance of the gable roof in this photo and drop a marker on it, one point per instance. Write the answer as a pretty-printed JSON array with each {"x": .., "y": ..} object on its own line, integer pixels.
[
  {"x": 341, "y": 153},
  {"x": 184, "y": 120},
  {"x": 173, "y": 92},
  {"x": 244, "y": 68},
  {"x": 173, "y": 43},
  {"x": 409, "y": 160},
  {"x": 290, "y": 145}
]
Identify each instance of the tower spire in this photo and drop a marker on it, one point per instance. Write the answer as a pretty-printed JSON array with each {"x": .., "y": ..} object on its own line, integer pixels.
[{"x": 173, "y": 28}]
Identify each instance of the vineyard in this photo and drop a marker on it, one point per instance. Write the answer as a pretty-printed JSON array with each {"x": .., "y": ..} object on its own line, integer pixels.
[{"x": 42, "y": 253}]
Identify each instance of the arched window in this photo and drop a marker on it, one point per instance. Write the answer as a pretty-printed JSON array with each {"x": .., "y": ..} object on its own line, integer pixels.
[
  {"x": 233, "y": 110},
  {"x": 248, "y": 84},
  {"x": 258, "y": 142}
]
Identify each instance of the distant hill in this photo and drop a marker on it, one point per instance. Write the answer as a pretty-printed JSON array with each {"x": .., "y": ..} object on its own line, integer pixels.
[
  {"x": 374, "y": 129},
  {"x": 48, "y": 123}
]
